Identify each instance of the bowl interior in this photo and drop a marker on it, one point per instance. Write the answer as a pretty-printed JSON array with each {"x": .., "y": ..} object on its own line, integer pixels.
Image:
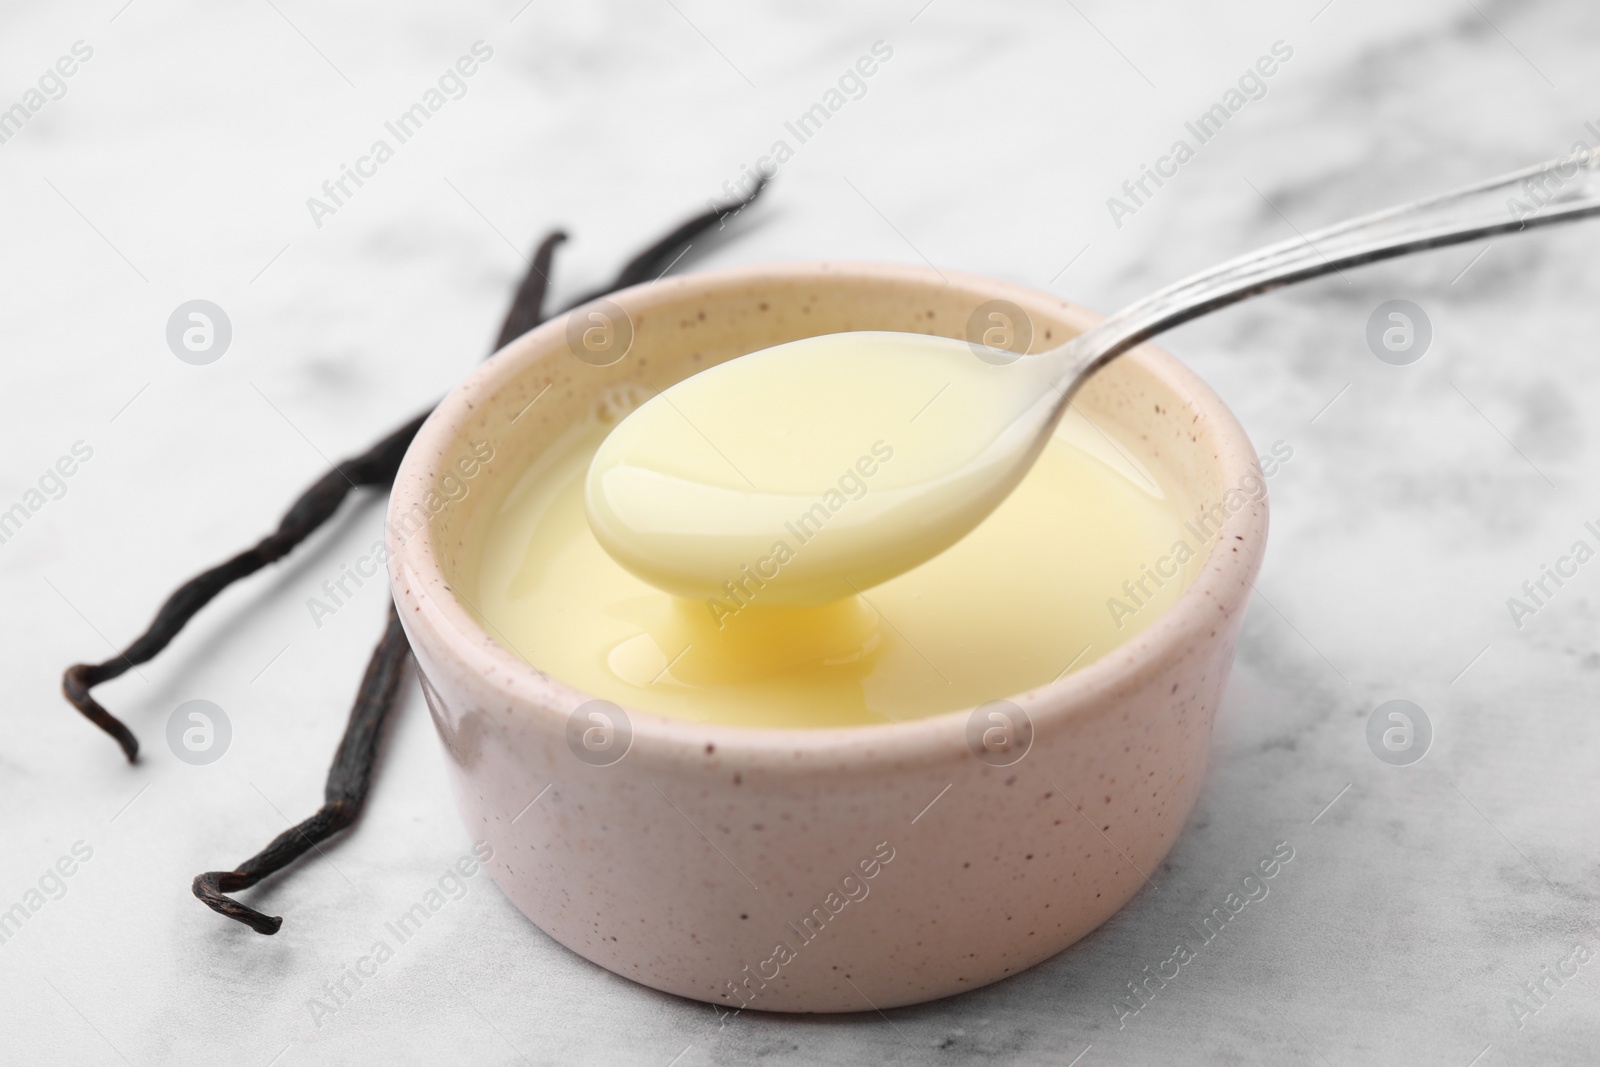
[{"x": 537, "y": 389}]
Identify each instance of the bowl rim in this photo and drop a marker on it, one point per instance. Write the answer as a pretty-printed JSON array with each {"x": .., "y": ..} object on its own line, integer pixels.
[{"x": 435, "y": 617}]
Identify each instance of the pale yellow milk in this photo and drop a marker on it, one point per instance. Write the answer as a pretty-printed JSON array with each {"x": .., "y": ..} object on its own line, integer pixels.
[{"x": 1062, "y": 572}]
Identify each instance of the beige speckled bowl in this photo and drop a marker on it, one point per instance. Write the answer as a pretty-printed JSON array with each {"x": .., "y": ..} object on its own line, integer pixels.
[{"x": 827, "y": 870}]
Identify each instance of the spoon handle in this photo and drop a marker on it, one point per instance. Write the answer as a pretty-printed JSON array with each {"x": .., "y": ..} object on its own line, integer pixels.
[{"x": 1556, "y": 191}]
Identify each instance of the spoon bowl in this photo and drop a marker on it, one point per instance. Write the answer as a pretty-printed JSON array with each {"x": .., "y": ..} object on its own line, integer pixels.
[{"x": 750, "y": 479}]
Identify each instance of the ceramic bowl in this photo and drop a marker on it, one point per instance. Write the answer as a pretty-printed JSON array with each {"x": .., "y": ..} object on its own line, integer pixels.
[{"x": 813, "y": 870}]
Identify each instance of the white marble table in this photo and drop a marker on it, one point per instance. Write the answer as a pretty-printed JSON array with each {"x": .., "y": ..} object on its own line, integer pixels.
[{"x": 177, "y": 165}]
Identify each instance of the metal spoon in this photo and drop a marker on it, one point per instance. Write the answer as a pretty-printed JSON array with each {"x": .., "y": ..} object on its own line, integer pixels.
[{"x": 691, "y": 535}]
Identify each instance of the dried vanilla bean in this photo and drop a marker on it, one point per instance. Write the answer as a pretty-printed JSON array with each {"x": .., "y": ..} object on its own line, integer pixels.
[
  {"x": 374, "y": 467},
  {"x": 342, "y": 798},
  {"x": 350, "y": 776}
]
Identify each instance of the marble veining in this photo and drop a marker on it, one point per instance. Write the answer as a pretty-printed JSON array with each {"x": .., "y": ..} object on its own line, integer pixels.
[{"x": 1426, "y": 906}]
